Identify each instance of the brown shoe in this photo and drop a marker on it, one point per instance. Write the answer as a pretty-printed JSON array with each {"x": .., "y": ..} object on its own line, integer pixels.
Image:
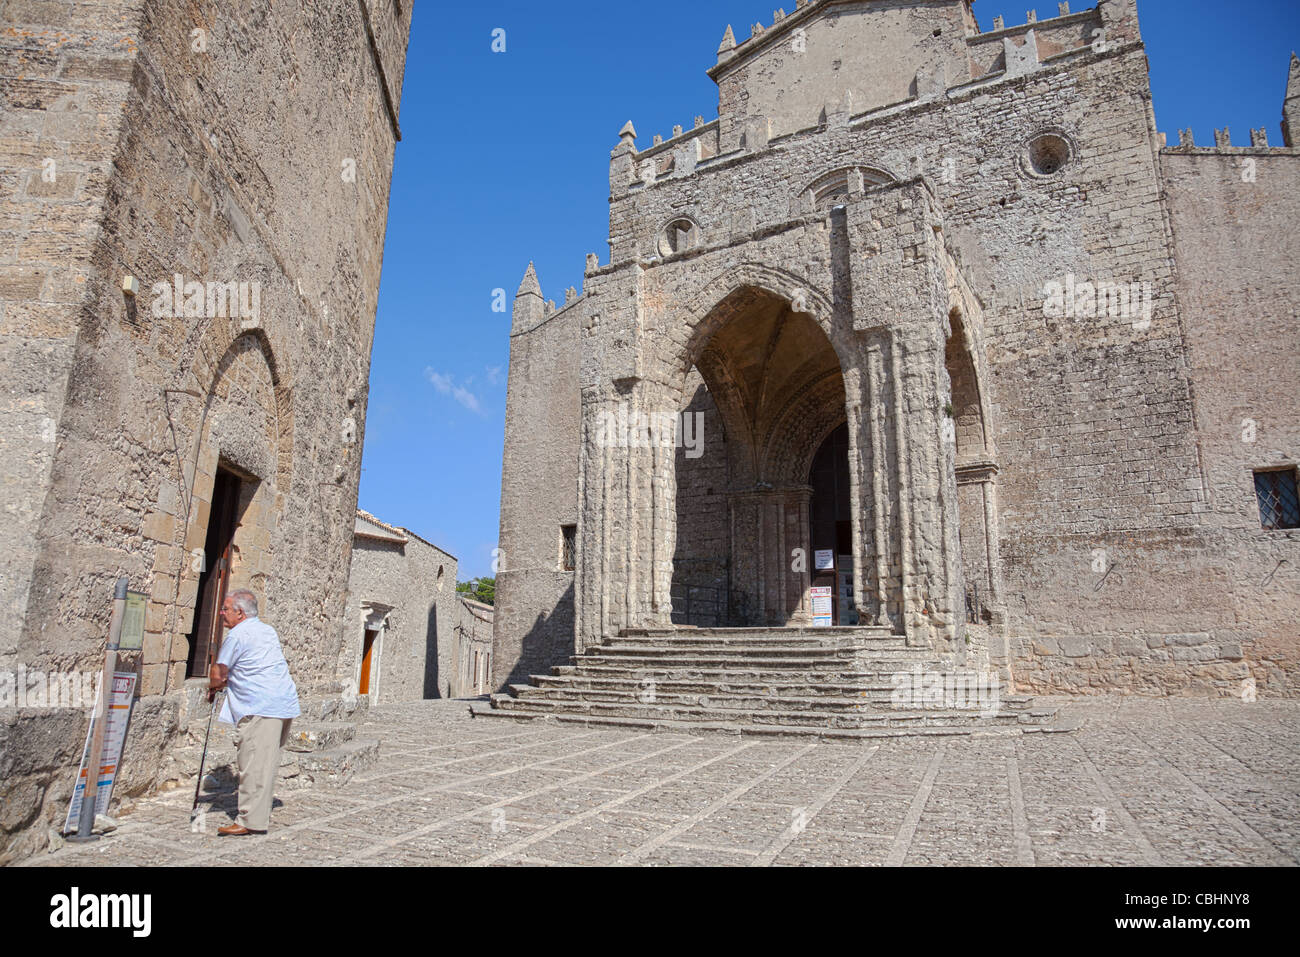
[{"x": 235, "y": 830}]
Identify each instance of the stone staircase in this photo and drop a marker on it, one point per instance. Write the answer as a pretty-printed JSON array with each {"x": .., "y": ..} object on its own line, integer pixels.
[
  {"x": 323, "y": 748},
  {"x": 824, "y": 682}
]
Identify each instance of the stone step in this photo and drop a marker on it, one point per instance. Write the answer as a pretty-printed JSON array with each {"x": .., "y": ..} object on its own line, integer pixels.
[
  {"x": 871, "y": 686},
  {"x": 839, "y": 682},
  {"x": 802, "y": 662},
  {"x": 874, "y": 702},
  {"x": 830, "y": 670},
  {"x": 801, "y": 656},
  {"x": 834, "y": 685},
  {"x": 670, "y": 726},
  {"x": 319, "y": 735},
  {"x": 336, "y": 766},
  {"x": 874, "y": 718},
  {"x": 762, "y": 644},
  {"x": 334, "y": 708},
  {"x": 758, "y": 631},
  {"x": 317, "y": 752},
  {"x": 742, "y": 671}
]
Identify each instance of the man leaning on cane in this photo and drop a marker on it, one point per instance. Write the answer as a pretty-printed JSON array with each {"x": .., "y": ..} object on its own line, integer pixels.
[{"x": 261, "y": 702}]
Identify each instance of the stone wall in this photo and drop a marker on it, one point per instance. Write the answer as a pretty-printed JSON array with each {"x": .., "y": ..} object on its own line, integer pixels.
[
  {"x": 404, "y": 588},
  {"x": 701, "y": 576},
  {"x": 533, "y": 623},
  {"x": 217, "y": 143},
  {"x": 1233, "y": 212},
  {"x": 474, "y": 644}
]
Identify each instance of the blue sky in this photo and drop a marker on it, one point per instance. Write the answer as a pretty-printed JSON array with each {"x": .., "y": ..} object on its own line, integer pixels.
[{"x": 505, "y": 158}]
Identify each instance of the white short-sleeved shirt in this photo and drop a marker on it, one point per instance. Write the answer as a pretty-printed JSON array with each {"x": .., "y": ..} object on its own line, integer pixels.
[{"x": 258, "y": 682}]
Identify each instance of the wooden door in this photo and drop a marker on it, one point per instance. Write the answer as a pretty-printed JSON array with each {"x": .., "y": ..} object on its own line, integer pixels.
[
  {"x": 367, "y": 653},
  {"x": 205, "y": 639}
]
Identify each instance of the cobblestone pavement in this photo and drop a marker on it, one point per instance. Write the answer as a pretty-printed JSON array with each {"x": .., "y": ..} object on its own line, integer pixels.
[{"x": 1144, "y": 781}]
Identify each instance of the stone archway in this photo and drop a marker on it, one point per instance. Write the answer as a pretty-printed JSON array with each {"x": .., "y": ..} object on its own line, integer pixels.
[
  {"x": 975, "y": 470},
  {"x": 765, "y": 385},
  {"x": 769, "y": 397},
  {"x": 232, "y": 424}
]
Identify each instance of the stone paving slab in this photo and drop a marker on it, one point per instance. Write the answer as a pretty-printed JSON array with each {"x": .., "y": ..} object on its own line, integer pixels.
[{"x": 1143, "y": 781}]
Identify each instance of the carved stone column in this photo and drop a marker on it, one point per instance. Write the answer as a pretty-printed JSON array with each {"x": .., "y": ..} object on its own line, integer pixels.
[{"x": 769, "y": 580}]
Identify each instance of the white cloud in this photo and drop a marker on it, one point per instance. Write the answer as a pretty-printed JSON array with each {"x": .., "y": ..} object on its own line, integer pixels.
[
  {"x": 446, "y": 385},
  {"x": 493, "y": 374}
]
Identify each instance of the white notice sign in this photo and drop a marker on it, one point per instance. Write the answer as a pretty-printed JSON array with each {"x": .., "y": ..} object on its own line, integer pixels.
[
  {"x": 824, "y": 559},
  {"x": 821, "y": 606},
  {"x": 119, "y": 715}
]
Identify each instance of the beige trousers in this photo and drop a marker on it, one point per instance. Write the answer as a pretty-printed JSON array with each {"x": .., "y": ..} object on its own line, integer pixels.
[{"x": 259, "y": 741}]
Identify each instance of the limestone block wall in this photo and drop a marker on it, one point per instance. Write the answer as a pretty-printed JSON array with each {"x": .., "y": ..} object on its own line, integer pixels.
[
  {"x": 700, "y": 573},
  {"x": 413, "y": 583},
  {"x": 790, "y": 67},
  {"x": 533, "y": 620},
  {"x": 206, "y": 141},
  {"x": 474, "y": 643},
  {"x": 65, "y": 82},
  {"x": 1233, "y": 212}
]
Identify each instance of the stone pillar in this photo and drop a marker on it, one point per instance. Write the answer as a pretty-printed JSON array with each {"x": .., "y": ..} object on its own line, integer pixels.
[
  {"x": 798, "y": 535},
  {"x": 745, "y": 598},
  {"x": 871, "y": 574},
  {"x": 900, "y": 303},
  {"x": 927, "y": 488},
  {"x": 628, "y": 500}
]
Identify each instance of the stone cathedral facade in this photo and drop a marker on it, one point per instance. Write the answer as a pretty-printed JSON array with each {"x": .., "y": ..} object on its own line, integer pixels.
[{"x": 931, "y": 331}]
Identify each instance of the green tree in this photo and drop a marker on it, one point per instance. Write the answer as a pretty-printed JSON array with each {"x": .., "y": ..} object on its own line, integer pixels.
[{"x": 482, "y": 589}]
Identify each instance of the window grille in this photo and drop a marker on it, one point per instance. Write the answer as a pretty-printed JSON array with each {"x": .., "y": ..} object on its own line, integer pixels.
[
  {"x": 568, "y": 547},
  {"x": 1279, "y": 506}
]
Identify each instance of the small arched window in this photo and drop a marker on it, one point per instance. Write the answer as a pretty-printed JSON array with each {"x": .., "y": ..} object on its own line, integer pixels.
[
  {"x": 835, "y": 188},
  {"x": 678, "y": 236}
]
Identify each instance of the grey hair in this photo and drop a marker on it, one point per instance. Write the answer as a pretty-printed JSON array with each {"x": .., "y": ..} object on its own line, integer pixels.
[{"x": 245, "y": 601}]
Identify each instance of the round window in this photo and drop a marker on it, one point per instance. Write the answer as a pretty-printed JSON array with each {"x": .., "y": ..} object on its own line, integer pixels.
[
  {"x": 1048, "y": 153},
  {"x": 679, "y": 236}
]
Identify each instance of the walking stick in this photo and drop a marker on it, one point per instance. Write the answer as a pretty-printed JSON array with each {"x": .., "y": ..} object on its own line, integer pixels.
[{"x": 204, "y": 759}]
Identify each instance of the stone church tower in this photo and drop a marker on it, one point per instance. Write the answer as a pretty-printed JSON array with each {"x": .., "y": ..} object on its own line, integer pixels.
[{"x": 932, "y": 318}]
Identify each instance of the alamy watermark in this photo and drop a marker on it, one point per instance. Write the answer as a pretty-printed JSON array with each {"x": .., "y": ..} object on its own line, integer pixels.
[
  {"x": 959, "y": 690},
  {"x": 623, "y": 429},
  {"x": 33, "y": 688},
  {"x": 1083, "y": 299},
  {"x": 179, "y": 299}
]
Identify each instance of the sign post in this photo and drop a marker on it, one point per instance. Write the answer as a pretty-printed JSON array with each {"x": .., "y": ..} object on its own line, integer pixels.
[
  {"x": 102, "y": 707},
  {"x": 116, "y": 723}
]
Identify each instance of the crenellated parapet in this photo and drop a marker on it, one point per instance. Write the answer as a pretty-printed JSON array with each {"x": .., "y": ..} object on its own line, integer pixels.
[
  {"x": 1259, "y": 145},
  {"x": 774, "y": 85}
]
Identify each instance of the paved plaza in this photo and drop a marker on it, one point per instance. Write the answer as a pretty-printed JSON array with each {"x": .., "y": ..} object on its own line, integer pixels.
[{"x": 1143, "y": 781}]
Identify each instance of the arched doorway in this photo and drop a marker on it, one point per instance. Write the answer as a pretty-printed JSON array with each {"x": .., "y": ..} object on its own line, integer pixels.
[
  {"x": 830, "y": 521},
  {"x": 975, "y": 469},
  {"x": 764, "y": 390}
]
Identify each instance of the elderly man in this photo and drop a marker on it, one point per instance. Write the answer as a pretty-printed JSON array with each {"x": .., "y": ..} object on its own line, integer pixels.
[{"x": 261, "y": 702}]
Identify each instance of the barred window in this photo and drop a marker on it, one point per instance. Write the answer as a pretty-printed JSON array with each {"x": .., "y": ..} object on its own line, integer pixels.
[
  {"x": 1279, "y": 506},
  {"x": 568, "y": 546}
]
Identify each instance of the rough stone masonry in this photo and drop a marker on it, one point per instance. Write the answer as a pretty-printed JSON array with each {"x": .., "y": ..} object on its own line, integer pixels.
[
  {"x": 949, "y": 310},
  {"x": 193, "y": 198}
]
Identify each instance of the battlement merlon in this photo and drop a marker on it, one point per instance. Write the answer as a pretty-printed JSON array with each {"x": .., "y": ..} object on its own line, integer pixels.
[{"x": 1259, "y": 145}]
